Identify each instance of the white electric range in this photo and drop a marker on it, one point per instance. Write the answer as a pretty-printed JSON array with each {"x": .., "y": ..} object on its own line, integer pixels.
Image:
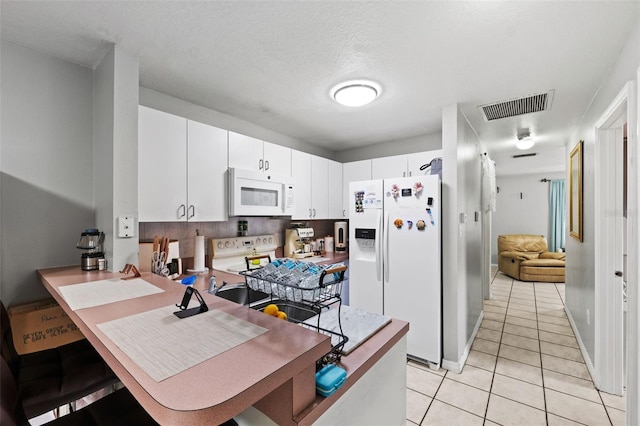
[{"x": 228, "y": 254}]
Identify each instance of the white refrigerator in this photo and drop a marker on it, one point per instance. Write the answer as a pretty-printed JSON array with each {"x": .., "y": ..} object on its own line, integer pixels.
[{"x": 395, "y": 256}]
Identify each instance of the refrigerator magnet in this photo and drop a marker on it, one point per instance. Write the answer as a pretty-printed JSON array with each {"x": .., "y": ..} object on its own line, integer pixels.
[
  {"x": 417, "y": 188},
  {"x": 398, "y": 223},
  {"x": 431, "y": 216},
  {"x": 421, "y": 225},
  {"x": 409, "y": 224}
]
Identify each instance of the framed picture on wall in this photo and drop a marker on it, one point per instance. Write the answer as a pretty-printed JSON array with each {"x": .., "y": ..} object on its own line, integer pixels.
[{"x": 575, "y": 192}]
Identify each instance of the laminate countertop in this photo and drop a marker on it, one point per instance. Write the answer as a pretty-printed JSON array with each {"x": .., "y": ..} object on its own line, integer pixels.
[{"x": 274, "y": 372}]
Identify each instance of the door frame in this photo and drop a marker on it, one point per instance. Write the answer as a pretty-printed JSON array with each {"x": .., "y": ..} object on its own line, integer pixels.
[{"x": 609, "y": 355}]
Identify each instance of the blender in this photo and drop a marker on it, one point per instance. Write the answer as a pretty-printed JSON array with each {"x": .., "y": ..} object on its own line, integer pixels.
[{"x": 92, "y": 259}]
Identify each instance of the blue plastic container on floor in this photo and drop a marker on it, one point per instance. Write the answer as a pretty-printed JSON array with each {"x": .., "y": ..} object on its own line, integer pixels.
[{"x": 329, "y": 379}]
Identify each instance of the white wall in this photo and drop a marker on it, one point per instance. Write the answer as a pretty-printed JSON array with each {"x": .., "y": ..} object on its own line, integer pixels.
[
  {"x": 580, "y": 270},
  {"x": 116, "y": 151},
  {"x": 428, "y": 142},
  {"x": 462, "y": 238},
  {"x": 46, "y": 165},
  {"x": 526, "y": 215}
]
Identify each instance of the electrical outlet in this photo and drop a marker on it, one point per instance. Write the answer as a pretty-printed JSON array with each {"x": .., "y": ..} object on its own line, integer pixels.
[{"x": 126, "y": 227}]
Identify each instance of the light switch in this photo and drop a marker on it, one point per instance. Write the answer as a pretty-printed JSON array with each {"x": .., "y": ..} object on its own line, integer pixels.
[{"x": 126, "y": 227}]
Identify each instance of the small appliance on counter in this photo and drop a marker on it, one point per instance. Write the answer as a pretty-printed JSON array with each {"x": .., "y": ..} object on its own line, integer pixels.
[
  {"x": 340, "y": 231},
  {"x": 297, "y": 242},
  {"x": 93, "y": 259}
]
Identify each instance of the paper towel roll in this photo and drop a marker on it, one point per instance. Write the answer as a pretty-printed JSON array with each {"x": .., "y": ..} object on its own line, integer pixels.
[
  {"x": 198, "y": 258},
  {"x": 328, "y": 244}
]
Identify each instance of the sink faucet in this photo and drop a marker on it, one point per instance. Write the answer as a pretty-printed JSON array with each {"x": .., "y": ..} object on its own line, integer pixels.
[{"x": 213, "y": 288}]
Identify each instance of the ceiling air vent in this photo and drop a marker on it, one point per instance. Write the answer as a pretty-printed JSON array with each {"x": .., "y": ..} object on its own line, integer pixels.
[
  {"x": 533, "y": 154},
  {"x": 515, "y": 107}
]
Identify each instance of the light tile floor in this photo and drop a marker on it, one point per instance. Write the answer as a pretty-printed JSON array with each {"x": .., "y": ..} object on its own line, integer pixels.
[{"x": 524, "y": 368}]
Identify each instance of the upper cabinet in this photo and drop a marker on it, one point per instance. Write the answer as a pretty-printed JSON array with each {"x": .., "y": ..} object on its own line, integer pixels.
[
  {"x": 250, "y": 153},
  {"x": 402, "y": 165},
  {"x": 335, "y": 190},
  {"x": 351, "y": 172},
  {"x": 317, "y": 186},
  {"x": 181, "y": 165}
]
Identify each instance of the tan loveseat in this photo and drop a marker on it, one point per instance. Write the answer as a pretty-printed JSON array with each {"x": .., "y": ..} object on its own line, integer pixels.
[{"x": 525, "y": 258}]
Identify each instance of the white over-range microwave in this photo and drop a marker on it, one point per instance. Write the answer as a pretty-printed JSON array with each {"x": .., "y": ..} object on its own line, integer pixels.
[{"x": 256, "y": 193}]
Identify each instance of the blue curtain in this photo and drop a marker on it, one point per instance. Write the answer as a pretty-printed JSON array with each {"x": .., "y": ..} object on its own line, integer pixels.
[{"x": 557, "y": 208}]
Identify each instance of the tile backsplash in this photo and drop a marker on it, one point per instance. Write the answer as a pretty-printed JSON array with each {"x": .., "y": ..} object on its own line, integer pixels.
[{"x": 185, "y": 232}]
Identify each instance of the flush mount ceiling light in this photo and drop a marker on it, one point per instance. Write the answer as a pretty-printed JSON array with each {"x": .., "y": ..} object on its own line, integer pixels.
[
  {"x": 525, "y": 141},
  {"x": 355, "y": 93}
]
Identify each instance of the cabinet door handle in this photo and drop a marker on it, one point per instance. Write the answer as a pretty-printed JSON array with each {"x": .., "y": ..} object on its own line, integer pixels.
[
  {"x": 192, "y": 211},
  {"x": 314, "y": 212},
  {"x": 260, "y": 164},
  {"x": 344, "y": 213},
  {"x": 266, "y": 164},
  {"x": 182, "y": 210},
  {"x": 618, "y": 273},
  {"x": 409, "y": 173},
  {"x": 310, "y": 213}
]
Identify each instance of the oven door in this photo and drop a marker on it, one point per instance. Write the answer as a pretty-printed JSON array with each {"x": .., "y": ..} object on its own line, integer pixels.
[{"x": 254, "y": 193}]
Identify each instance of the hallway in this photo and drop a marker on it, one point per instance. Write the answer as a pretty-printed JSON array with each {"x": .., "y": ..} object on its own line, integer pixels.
[{"x": 524, "y": 368}]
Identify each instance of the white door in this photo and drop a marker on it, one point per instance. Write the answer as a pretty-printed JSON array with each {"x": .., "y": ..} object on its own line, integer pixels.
[
  {"x": 162, "y": 165},
  {"x": 301, "y": 172},
  {"x": 277, "y": 159},
  {"x": 245, "y": 152},
  {"x": 353, "y": 171},
  {"x": 335, "y": 190},
  {"x": 319, "y": 187},
  {"x": 365, "y": 254},
  {"x": 412, "y": 277},
  {"x": 609, "y": 241},
  {"x": 206, "y": 173}
]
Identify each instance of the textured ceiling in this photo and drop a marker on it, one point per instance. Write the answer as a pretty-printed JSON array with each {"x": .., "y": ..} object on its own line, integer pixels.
[{"x": 273, "y": 63}]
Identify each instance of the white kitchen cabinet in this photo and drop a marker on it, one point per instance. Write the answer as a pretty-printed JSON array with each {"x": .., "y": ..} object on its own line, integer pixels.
[
  {"x": 335, "y": 190},
  {"x": 180, "y": 164},
  {"x": 207, "y": 166},
  {"x": 250, "y": 153},
  {"x": 311, "y": 186},
  {"x": 419, "y": 159},
  {"x": 319, "y": 187},
  {"x": 402, "y": 165},
  {"x": 351, "y": 172},
  {"x": 301, "y": 172}
]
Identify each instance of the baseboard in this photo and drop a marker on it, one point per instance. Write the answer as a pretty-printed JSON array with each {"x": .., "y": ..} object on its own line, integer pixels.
[
  {"x": 457, "y": 366},
  {"x": 583, "y": 350}
]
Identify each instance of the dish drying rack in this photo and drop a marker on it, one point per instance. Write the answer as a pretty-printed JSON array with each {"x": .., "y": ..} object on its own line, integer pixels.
[{"x": 288, "y": 294}]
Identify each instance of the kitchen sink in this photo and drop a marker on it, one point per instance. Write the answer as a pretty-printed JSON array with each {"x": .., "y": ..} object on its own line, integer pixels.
[
  {"x": 295, "y": 311},
  {"x": 258, "y": 300},
  {"x": 241, "y": 294}
]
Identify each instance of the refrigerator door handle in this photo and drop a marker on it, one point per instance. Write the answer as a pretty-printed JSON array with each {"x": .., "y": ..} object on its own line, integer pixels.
[
  {"x": 386, "y": 249},
  {"x": 378, "y": 247}
]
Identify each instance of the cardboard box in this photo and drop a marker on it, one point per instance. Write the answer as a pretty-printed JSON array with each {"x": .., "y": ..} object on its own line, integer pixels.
[{"x": 41, "y": 325}]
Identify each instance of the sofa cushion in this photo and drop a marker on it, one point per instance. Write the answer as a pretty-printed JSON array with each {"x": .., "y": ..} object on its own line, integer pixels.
[
  {"x": 522, "y": 255},
  {"x": 542, "y": 263},
  {"x": 522, "y": 242},
  {"x": 552, "y": 255}
]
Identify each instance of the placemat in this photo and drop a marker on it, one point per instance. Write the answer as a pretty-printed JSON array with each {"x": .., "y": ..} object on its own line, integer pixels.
[
  {"x": 164, "y": 345},
  {"x": 96, "y": 293}
]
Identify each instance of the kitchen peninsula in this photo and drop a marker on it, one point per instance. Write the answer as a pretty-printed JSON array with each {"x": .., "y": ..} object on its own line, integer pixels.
[{"x": 271, "y": 376}]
